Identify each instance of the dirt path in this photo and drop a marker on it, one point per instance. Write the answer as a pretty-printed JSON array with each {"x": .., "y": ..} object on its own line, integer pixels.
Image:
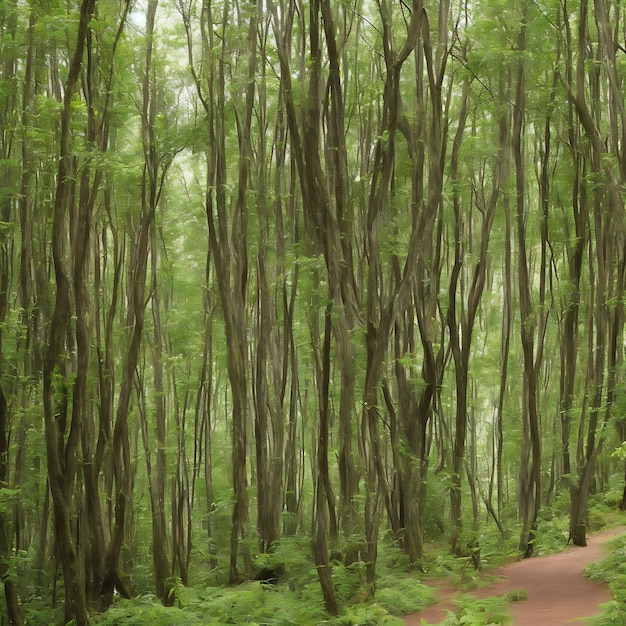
[{"x": 558, "y": 591}]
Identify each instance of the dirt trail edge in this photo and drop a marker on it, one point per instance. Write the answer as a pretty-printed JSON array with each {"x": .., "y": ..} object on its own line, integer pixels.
[{"x": 558, "y": 591}]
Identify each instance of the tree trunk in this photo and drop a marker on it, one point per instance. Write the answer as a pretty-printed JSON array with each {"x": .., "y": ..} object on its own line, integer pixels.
[
  {"x": 604, "y": 241},
  {"x": 579, "y": 496},
  {"x": 155, "y": 169},
  {"x": 530, "y": 476},
  {"x": 324, "y": 497},
  {"x": 157, "y": 510},
  {"x": 204, "y": 411},
  {"x": 160, "y": 541},
  {"x": 14, "y": 611},
  {"x": 62, "y": 453},
  {"x": 8, "y": 118}
]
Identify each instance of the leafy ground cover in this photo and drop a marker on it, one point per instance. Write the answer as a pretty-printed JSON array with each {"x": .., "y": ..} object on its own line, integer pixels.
[
  {"x": 295, "y": 599},
  {"x": 612, "y": 570},
  {"x": 402, "y": 588}
]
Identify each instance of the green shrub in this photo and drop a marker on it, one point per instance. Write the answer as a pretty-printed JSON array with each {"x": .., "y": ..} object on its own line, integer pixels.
[
  {"x": 515, "y": 595},
  {"x": 146, "y": 611},
  {"x": 551, "y": 535},
  {"x": 372, "y": 615},
  {"x": 404, "y": 596},
  {"x": 611, "y": 570},
  {"x": 478, "y": 612}
]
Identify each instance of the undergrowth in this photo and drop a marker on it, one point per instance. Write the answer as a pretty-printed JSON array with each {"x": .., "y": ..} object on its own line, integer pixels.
[
  {"x": 257, "y": 603},
  {"x": 490, "y": 611},
  {"x": 611, "y": 570},
  {"x": 296, "y": 599}
]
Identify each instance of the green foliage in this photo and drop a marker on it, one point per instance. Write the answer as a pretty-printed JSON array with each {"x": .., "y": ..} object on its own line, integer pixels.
[
  {"x": 249, "y": 603},
  {"x": 40, "y": 613},
  {"x": 144, "y": 611},
  {"x": 252, "y": 602},
  {"x": 438, "y": 486},
  {"x": 364, "y": 616},
  {"x": 479, "y": 612},
  {"x": 611, "y": 570},
  {"x": 459, "y": 570},
  {"x": 349, "y": 582},
  {"x": 515, "y": 595},
  {"x": 293, "y": 554},
  {"x": 620, "y": 452},
  {"x": 8, "y": 497},
  {"x": 296, "y": 599},
  {"x": 401, "y": 596},
  {"x": 600, "y": 514},
  {"x": 551, "y": 535},
  {"x": 484, "y": 56}
]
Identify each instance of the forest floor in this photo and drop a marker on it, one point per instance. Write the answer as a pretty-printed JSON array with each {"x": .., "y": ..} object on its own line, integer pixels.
[{"x": 558, "y": 591}]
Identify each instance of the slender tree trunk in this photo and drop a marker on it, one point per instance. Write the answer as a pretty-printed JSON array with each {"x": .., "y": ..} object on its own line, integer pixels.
[
  {"x": 62, "y": 453},
  {"x": 204, "y": 410},
  {"x": 292, "y": 464},
  {"x": 323, "y": 492},
  {"x": 8, "y": 118},
  {"x": 157, "y": 480},
  {"x": 530, "y": 483},
  {"x": 605, "y": 244},
  {"x": 14, "y": 611},
  {"x": 507, "y": 322},
  {"x": 154, "y": 173}
]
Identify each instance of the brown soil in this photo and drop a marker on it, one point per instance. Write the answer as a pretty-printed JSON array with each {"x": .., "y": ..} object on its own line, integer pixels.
[{"x": 558, "y": 591}]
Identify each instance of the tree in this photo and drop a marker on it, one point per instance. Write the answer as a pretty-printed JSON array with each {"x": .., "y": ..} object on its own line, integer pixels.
[
  {"x": 286, "y": 271},
  {"x": 530, "y": 478},
  {"x": 8, "y": 112},
  {"x": 599, "y": 220},
  {"x": 228, "y": 240},
  {"x": 62, "y": 439}
]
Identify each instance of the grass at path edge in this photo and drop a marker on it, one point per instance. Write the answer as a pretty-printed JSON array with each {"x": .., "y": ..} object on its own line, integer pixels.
[{"x": 611, "y": 570}]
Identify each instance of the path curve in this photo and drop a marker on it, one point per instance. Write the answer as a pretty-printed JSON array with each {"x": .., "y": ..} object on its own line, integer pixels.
[{"x": 558, "y": 591}]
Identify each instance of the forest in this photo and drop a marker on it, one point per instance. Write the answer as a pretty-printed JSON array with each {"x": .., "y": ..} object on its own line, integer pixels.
[{"x": 303, "y": 294}]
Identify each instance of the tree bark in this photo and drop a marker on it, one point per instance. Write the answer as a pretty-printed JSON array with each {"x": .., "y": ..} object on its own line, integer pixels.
[
  {"x": 62, "y": 449},
  {"x": 530, "y": 475},
  {"x": 154, "y": 172}
]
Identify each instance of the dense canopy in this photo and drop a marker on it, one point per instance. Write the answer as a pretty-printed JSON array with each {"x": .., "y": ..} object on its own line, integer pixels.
[{"x": 346, "y": 271}]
